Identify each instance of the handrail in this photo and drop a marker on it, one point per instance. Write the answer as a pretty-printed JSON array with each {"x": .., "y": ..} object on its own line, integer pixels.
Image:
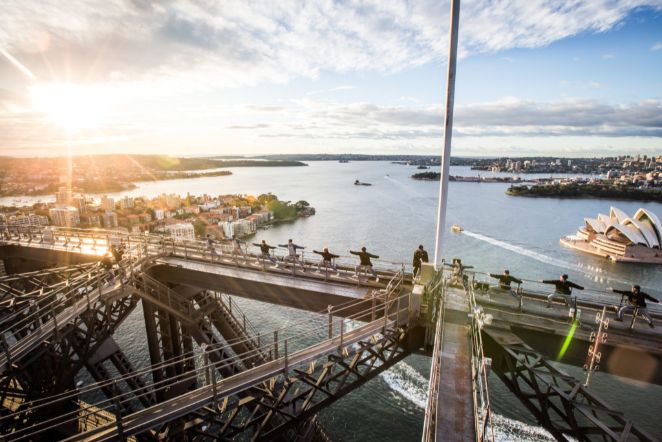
[
  {"x": 484, "y": 427},
  {"x": 336, "y": 336},
  {"x": 430, "y": 418}
]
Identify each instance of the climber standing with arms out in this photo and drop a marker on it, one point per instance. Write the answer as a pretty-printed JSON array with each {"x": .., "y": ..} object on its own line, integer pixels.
[
  {"x": 292, "y": 255},
  {"x": 563, "y": 289},
  {"x": 365, "y": 264},
  {"x": 636, "y": 303}
]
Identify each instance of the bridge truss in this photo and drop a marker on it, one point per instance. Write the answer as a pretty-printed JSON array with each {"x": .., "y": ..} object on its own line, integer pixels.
[{"x": 560, "y": 403}]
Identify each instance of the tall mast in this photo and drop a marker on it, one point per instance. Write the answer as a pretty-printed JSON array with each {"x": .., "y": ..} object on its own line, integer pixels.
[{"x": 448, "y": 128}]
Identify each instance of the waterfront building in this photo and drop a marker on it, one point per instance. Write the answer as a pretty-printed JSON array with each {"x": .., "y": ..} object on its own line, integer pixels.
[
  {"x": 109, "y": 219},
  {"x": 107, "y": 203},
  {"x": 63, "y": 196},
  {"x": 180, "y": 230},
  {"x": 620, "y": 237},
  {"x": 64, "y": 216},
  {"x": 28, "y": 220},
  {"x": 127, "y": 203},
  {"x": 241, "y": 227}
]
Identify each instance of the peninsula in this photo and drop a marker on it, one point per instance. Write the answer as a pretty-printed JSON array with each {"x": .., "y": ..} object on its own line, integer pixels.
[
  {"x": 111, "y": 173},
  {"x": 587, "y": 190}
]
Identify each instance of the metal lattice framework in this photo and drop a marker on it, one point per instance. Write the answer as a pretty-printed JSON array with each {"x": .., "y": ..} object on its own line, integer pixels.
[
  {"x": 301, "y": 393},
  {"x": 558, "y": 401}
]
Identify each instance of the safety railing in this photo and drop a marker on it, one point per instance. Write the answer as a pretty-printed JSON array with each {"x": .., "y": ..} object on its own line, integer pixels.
[
  {"x": 50, "y": 314},
  {"x": 534, "y": 293},
  {"x": 435, "y": 295},
  {"x": 99, "y": 241},
  {"x": 480, "y": 366},
  {"x": 291, "y": 344},
  {"x": 239, "y": 318}
]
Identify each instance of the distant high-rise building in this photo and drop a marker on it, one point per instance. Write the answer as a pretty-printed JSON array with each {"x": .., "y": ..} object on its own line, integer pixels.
[
  {"x": 127, "y": 203},
  {"x": 109, "y": 219},
  {"x": 65, "y": 216},
  {"x": 107, "y": 204},
  {"x": 63, "y": 196}
]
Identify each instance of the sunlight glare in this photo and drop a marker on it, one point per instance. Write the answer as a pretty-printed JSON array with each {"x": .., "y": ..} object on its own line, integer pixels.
[{"x": 72, "y": 107}]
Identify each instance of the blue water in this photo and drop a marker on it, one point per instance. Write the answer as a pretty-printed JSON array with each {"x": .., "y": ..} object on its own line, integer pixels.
[{"x": 391, "y": 218}]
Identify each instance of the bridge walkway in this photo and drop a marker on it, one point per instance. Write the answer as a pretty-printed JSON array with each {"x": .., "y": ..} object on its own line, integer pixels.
[
  {"x": 52, "y": 318},
  {"x": 216, "y": 392},
  {"x": 632, "y": 350}
]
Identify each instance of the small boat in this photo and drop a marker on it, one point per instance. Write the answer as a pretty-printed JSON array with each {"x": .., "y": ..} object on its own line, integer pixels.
[
  {"x": 456, "y": 228},
  {"x": 359, "y": 183},
  {"x": 422, "y": 167},
  {"x": 343, "y": 161}
]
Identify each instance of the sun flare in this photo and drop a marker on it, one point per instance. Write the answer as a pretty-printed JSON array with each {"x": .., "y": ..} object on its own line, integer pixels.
[{"x": 70, "y": 106}]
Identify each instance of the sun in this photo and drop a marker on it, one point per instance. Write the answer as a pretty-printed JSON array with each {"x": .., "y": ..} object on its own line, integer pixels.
[{"x": 70, "y": 106}]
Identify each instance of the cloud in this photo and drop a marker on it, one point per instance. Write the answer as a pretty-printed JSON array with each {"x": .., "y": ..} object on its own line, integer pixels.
[
  {"x": 657, "y": 46},
  {"x": 249, "y": 126},
  {"x": 333, "y": 89},
  {"x": 509, "y": 117},
  {"x": 230, "y": 43},
  {"x": 608, "y": 56}
]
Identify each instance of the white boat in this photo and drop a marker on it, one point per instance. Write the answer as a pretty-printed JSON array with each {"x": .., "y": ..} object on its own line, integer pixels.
[{"x": 456, "y": 228}]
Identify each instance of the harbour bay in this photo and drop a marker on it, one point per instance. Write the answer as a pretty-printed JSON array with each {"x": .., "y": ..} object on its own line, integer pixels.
[{"x": 391, "y": 218}]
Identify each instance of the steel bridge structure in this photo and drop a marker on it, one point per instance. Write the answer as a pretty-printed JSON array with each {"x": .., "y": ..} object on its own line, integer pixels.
[{"x": 212, "y": 374}]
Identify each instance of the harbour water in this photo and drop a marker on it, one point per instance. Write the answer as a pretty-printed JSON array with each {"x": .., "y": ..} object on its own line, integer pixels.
[{"x": 391, "y": 218}]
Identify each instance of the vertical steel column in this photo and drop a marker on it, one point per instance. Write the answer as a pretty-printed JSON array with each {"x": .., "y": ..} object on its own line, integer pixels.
[{"x": 448, "y": 127}]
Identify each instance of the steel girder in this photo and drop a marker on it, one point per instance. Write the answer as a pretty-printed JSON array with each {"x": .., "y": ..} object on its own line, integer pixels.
[
  {"x": 272, "y": 409},
  {"x": 19, "y": 290},
  {"x": 52, "y": 367},
  {"x": 558, "y": 401}
]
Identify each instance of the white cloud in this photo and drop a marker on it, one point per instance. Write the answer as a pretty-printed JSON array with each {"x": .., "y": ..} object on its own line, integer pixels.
[
  {"x": 331, "y": 90},
  {"x": 657, "y": 46},
  {"x": 608, "y": 56},
  {"x": 506, "y": 118},
  {"x": 235, "y": 42}
]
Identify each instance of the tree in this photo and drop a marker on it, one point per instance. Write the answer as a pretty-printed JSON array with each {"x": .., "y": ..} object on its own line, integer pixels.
[{"x": 301, "y": 204}]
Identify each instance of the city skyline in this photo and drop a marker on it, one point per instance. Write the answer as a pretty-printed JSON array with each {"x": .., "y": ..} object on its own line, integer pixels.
[{"x": 192, "y": 78}]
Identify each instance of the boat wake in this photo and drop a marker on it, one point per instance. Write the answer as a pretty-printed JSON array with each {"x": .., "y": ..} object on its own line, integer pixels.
[
  {"x": 523, "y": 251},
  {"x": 594, "y": 272},
  {"x": 409, "y": 383}
]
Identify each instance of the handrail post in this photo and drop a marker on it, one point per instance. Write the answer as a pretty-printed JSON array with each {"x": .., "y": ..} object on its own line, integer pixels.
[
  {"x": 275, "y": 344},
  {"x": 374, "y": 305},
  {"x": 286, "y": 368},
  {"x": 385, "y": 312},
  {"x": 342, "y": 333},
  {"x": 397, "y": 312},
  {"x": 205, "y": 362},
  {"x": 212, "y": 369},
  {"x": 329, "y": 308},
  {"x": 118, "y": 412}
]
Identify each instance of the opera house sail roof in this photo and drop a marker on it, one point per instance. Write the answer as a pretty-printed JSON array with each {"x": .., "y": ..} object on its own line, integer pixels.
[{"x": 620, "y": 237}]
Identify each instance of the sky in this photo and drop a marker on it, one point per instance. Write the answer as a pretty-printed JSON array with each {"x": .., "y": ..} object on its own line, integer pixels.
[{"x": 203, "y": 77}]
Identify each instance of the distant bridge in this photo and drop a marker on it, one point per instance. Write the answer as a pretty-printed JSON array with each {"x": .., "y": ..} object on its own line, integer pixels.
[{"x": 214, "y": 375}]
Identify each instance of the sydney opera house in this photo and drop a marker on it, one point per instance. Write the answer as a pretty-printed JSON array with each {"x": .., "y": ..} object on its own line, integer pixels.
[{"x": 620, "y": 237}]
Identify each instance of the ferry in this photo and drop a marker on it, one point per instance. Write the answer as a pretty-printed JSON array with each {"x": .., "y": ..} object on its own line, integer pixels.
[{"x": 359, "y": 183}]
